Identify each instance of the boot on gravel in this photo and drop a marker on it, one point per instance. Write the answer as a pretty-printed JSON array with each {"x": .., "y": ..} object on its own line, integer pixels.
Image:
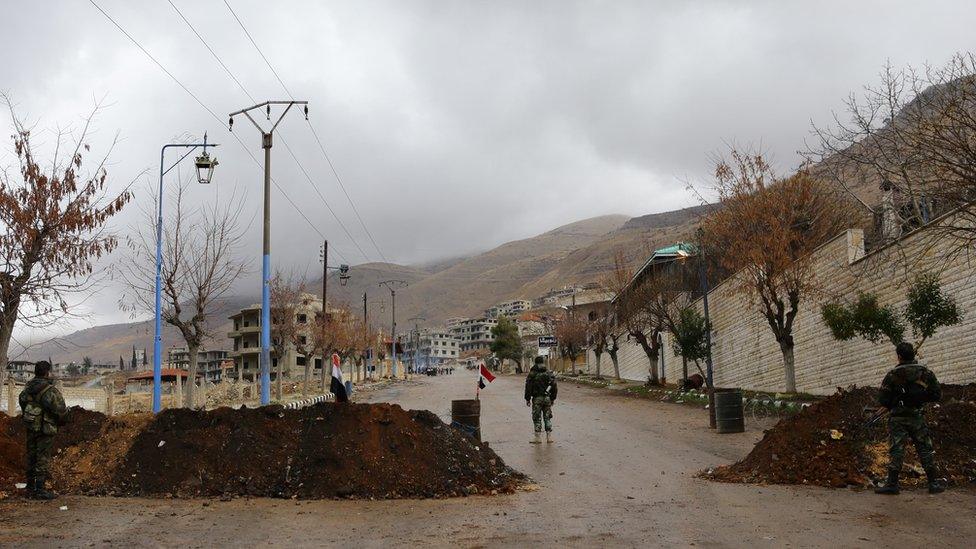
[
  {"x": 936, "y": 484},
  {"x": 549, "y": 438},
  {"x": 40, "y": 492},
  {"x": 537, "y": 439},
  {"x": 890, "y": 487}
]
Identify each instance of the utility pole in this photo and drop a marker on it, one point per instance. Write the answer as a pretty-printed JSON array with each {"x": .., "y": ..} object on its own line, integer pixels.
[
  {"x": 416, "y": 346},
  {"x": 392, "y": 285},
  {"x": 367, "y": 350},
  {"x": 266, "y": 143},
  {"x": 703, "y": 280}
]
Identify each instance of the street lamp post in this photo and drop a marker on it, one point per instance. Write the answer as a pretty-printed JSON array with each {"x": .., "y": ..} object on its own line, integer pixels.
[
  {"x": 205, "y": 168},
  {"x": 266, "y": 143}
]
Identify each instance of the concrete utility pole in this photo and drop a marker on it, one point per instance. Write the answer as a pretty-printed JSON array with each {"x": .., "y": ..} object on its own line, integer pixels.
[
  {"x": 266, "y": 143},
  {"x": 416, "y": 345},
  {"x": 392, "y": 285},
  {"x": 703, "y": 280}
]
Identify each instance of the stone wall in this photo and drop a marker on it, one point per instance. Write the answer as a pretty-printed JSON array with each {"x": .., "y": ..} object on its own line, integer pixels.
[{"x": 745, "y": 354}]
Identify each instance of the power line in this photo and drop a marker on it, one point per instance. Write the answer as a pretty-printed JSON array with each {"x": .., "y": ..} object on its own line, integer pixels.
[
  {"x": 314, "y": 133},
  {"x": 255, "y": 44},
  {"x": 206, "y": 108},
  {"x": 212, "y": 52},
  {"x": 244, "y": 89},
  {"x": 343, "y": 187}
]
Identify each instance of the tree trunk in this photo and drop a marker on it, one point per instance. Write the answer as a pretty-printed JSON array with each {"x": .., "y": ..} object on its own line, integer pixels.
[
  {"x": 616, "y": 364},
  {"x": 326, "y": 373},
  {"x": 191, "y": 378},
  {"x": 684, "y": 369},
  {"x": 6, "y": 332},
  {"x": 309, "y": 362},
  {"x": 599, "y": 356},
  {"x": 278, "y": 371},
  {"x": 572, "y": 363},
  {"x": 789, "y": 366}
]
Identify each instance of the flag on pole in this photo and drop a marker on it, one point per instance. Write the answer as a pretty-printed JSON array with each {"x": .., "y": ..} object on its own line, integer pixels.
[
  {"x": 337, "y": 387},
  {"x": 485, "y": 377}
]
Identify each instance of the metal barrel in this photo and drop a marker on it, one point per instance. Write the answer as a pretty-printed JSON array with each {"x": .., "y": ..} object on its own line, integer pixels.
[
  {"x": 466, "y": 416},
  {"x": 728, "y": 411}
]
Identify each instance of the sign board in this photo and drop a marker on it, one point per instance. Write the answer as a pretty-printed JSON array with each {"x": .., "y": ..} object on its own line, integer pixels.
[
  {"x": 543, "y": 351},
  {"x": 547, "y": 341}
]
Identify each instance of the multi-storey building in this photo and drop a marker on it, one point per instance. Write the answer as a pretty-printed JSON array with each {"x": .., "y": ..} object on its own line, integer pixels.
[
  {"x": 435, "y": 347},
  {"x": 474, "y": 333},
  {"x": 211, "y": 365},
  {"x": 246, "y": 334},
  {"x": 509, "y": 308}
]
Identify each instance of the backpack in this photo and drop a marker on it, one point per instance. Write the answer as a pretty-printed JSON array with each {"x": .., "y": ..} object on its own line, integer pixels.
[
  {"x": 540, "y": 382},
  {"x": 912, "y": 390},
  {"x": 33, "y": 415}
]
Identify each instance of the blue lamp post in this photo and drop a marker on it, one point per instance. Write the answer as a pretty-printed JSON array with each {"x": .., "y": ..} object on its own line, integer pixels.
[{"x": 205, "y": 167}]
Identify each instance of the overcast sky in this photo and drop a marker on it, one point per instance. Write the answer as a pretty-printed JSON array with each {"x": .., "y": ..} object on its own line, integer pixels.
[{"x": 457, "y": 126}]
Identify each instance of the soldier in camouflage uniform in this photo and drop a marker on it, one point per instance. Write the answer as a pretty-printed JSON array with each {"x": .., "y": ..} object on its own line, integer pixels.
[
  {"x": 904, "y": 393},
  {"x": 540, "y": 394},
  {"x": 43, "y": 410}
]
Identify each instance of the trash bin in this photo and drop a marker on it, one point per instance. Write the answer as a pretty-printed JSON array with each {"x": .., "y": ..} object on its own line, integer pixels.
[
  {"x": 728, "y": 411},
  {"x": 466, "y": 416}
]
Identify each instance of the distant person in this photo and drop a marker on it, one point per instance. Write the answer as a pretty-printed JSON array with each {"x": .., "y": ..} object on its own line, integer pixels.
[
  {"x": 43, "y": 411},
  {"x": 540, "y": 394},
  {"x": 904, "y": 393}
]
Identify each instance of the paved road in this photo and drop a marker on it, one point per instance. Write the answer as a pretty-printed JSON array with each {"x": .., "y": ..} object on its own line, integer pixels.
[{"x": 621, "y": 473}]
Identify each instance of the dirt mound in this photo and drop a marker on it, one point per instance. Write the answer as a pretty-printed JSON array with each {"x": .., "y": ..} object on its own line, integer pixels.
[
  {"x": 831, "y": 443},
  {"x": 81, "y": 425},
  {"x": 325, "y": 451}
]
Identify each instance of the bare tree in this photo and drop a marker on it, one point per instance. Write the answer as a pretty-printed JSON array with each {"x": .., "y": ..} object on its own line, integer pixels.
[
  {"x": 765, "y": 234},
  {"x": 53, "y": 222},
  {"x": 199, "y": 267},
  {"x": 914, "y": 134},
  {"x": 571, "y": 337}
]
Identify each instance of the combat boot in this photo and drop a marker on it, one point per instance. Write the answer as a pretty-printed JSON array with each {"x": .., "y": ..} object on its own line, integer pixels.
[
  {"x": 936, "y": 484},
  {"x": 891, "y": 486},
  {"x": 537, "y": 439},
  {"x": 40, "y": 492},
  {"x": 549, "y": 437}
]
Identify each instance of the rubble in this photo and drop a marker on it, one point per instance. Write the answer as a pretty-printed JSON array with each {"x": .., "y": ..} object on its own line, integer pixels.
[
  {"x": 324, "y": 451},
  {"x": 833, "y": 443}
]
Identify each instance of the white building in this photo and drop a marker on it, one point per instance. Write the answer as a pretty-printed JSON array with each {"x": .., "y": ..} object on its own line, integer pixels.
[{"x": 474, "y": 333}]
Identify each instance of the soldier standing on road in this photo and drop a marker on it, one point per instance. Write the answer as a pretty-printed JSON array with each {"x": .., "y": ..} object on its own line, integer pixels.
[
  {"x": 540, "y": 394},
  {"x": 904, "y": 393},
  {"x": 43, "y": 411}
]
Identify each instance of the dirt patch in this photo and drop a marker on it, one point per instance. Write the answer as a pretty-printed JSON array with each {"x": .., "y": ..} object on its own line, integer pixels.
[
  {"x": 832, "y": 444},
  {"x": 325, "y": 451}
]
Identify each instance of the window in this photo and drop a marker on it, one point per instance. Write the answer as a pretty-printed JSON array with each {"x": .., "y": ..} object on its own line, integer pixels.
[
  {"x": 300, "y": 361},
  {"x": 302, "y": 318},
  {"x": 302, "y": 340}
]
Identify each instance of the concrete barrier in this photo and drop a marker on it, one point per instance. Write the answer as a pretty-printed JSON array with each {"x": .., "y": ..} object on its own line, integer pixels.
[{"x": 309, "y": 401}]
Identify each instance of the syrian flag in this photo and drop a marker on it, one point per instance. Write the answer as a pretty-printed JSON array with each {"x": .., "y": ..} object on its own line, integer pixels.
[
  {"x": 337, "y": 387},
  {"x": 484, "y": 377}
]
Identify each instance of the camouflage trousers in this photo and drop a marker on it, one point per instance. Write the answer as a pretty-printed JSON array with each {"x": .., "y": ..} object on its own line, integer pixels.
[
  {"x": 38, "y": 454},
  {"x": 542, "y": 412},
  {"x": 900, "y": 430}
]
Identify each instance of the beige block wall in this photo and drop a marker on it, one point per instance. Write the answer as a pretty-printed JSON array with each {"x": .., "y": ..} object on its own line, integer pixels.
[{"x": 746, "y": 355}]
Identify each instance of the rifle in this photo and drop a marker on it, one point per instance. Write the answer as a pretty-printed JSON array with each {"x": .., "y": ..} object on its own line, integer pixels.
[{"x": 877, "y": 414}]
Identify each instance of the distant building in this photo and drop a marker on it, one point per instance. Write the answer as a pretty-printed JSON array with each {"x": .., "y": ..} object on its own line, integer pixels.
[
  {"x": 435, "y": 347},
  {"x": 20, "y": 370},
  {"x": 509, "y": 308},
  {"x": 452, "y": 322},
  {"x": 210, "y": 364},
  {"x": 246, "y": 334},
  {"x": 474, "y": 333}
]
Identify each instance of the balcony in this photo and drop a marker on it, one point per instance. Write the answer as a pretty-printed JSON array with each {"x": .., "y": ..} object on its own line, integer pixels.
[{"x": 244, "y": 330}]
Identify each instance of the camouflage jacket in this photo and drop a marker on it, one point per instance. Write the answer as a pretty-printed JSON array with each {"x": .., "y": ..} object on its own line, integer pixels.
[
  {"x": 539, "y": 383},
  {"x": 907, "y": 388},
  {"x": 43, "y": 406}
]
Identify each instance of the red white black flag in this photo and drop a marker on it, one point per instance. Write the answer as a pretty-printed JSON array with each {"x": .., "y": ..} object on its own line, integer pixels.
[
  {"x": 337, "y": 387},
  {"x": 485, "y": 377}
]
